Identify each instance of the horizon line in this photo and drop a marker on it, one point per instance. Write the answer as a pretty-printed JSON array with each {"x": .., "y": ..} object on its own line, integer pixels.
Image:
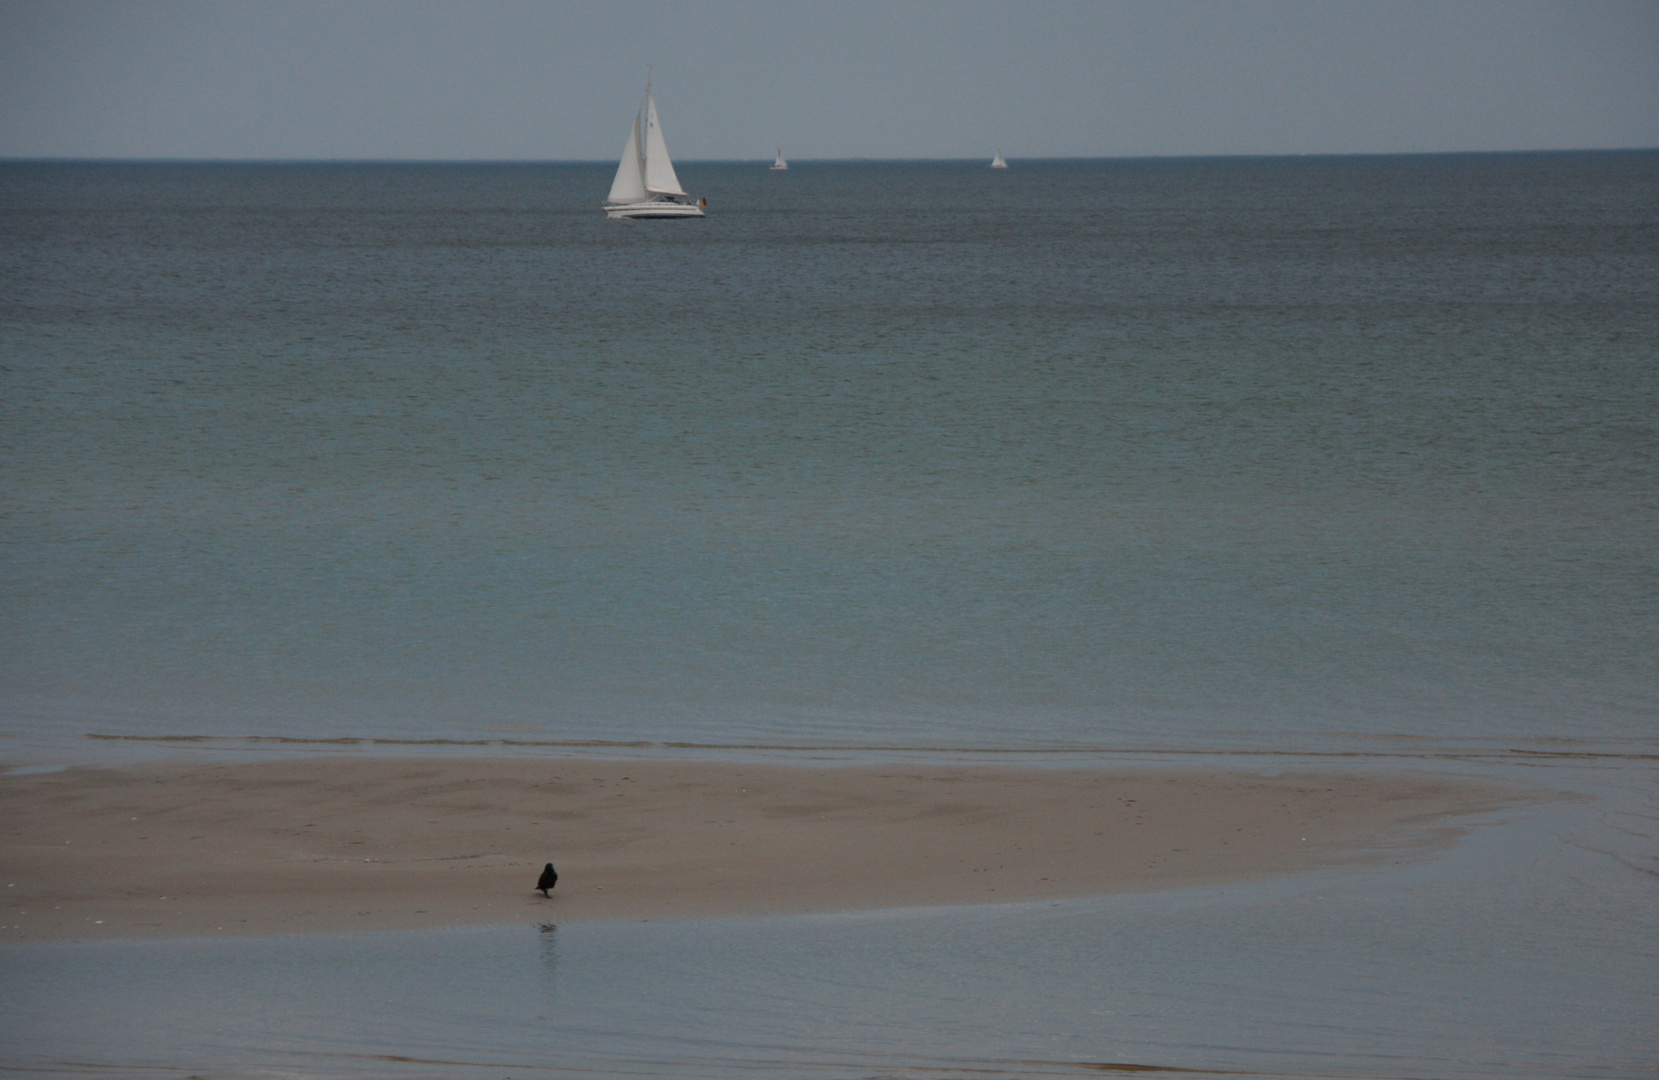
[{"x": 91, "y": 160}]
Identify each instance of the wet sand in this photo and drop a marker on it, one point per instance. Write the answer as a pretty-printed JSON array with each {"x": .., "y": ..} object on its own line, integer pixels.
[{"x": 323, "y": 845}]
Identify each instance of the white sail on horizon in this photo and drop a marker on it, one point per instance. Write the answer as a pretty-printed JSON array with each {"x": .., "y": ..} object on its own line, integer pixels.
[{"x": 646, "y": 185}]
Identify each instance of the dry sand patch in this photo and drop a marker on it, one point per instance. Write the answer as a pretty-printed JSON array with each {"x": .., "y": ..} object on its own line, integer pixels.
[{"x": 313, "y": 845}]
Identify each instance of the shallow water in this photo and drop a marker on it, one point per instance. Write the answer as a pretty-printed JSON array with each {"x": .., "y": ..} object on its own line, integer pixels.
[{"x": 1249, "y": 462}]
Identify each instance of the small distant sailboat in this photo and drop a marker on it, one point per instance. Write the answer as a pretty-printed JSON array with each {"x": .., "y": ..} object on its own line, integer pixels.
[
  {"x": 997, "y": 162},
  {"x": 780, "y": 165},
  {"x": 645, "y": 184}
]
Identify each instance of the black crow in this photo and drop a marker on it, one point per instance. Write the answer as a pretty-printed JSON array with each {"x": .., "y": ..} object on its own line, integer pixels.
[{"x": 549, "y": 878}]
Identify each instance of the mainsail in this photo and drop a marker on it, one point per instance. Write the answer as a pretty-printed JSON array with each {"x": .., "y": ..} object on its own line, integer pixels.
[
  {"x": 629, "y": 185},
  {"x": 659, "y": 170}
]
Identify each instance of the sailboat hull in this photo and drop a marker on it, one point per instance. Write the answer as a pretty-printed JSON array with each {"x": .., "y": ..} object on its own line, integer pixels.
[{"x": 654, "y": 210}]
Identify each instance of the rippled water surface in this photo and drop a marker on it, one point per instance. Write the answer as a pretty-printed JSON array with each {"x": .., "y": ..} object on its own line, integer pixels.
[
  {"x": 1079, "y": 453},
  {"x": 1337, "y": 459}
]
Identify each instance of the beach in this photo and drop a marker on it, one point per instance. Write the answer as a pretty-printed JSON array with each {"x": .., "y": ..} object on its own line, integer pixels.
[{"x": 331, "y": 845}]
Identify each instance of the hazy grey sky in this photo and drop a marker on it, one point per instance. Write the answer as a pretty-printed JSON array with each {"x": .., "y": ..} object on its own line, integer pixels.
[{"x": 378, "y": 79}]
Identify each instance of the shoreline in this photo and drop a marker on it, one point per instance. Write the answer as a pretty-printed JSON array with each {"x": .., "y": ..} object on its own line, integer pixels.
[{"x": 318, "y": 845}]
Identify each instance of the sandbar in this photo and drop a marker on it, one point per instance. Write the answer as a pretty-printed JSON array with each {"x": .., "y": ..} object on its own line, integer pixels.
[{"x": 319, "y": 845}]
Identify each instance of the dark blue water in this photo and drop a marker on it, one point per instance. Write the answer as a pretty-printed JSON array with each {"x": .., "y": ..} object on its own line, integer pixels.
[{"x": 1320, "y": 456}]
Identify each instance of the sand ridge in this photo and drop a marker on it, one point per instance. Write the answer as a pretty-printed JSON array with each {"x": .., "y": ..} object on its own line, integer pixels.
[{"x": 339, "y": 844}]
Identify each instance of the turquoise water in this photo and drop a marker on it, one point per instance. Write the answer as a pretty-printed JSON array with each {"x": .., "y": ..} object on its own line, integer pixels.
[{"x": 1346, "y": 459}]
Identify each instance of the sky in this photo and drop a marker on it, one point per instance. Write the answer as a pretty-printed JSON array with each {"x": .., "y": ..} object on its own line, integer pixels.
[{"x": 538, "y": 81}]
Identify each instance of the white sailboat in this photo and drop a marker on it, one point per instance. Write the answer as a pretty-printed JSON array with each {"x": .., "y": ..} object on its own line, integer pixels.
[
  {"x": 997, "y": 162},
  {"x": 645, "y": 184},
  {"x": 780, "y": 165}
]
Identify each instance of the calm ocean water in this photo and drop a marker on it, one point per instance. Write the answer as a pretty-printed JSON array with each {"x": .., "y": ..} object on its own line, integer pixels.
[{"x": 1334, "y": 458}]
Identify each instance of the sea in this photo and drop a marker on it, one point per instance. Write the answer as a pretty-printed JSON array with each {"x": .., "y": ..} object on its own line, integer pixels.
[{"x": 1263, "y": 464}]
